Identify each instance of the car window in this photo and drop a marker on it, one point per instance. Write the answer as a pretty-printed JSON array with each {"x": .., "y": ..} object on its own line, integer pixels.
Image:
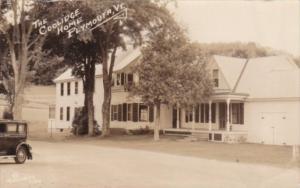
[
  {"x": 21, "y": 129},
  {"x": 2, "y": 128},
  {"x": 11, "y": 128}
]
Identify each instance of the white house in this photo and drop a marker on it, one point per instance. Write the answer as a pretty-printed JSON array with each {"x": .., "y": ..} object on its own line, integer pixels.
[{"x": 255, "y": 100}]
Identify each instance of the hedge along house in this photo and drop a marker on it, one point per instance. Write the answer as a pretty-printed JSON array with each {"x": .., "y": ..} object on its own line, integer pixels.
[{"x": 255, "y": 100}]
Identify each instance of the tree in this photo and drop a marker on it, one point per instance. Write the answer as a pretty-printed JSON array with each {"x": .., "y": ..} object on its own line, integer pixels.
[
  {"x": 142, "y": 17},
  {"x": 236, "y": 49},
  {"x": 173, "y": 72},
  {"x": 23, "y": 45},
  {"x": 80, "y": 52}
]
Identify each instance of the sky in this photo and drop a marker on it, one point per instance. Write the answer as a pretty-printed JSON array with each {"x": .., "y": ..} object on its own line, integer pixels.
[{"x": 272, "y": 23}]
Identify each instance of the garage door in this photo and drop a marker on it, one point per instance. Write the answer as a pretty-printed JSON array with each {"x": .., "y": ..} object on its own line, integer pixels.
[{"x": 273, "y": 128}]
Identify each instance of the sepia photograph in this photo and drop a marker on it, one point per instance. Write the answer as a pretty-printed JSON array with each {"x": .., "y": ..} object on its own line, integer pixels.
[{"x": 150, "y": 93}]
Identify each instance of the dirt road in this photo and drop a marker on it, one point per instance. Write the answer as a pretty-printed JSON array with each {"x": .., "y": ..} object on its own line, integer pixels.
[{"x": 60, "y": 165}]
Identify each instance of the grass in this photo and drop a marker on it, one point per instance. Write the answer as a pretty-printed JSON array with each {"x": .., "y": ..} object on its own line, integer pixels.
[{"x": 279, "y": 156}]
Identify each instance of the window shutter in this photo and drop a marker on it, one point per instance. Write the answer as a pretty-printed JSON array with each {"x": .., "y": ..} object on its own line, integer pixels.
[
  {"x": 151, "y": 113},
  {"x": 242, "y": 113},
  {"x": 213, "y": 112},
  {"x": 124, "y": 112},
  {"x": 197, "y": 113},
  {"x": 186, "y": 116},
  {"x": 112, "y": 112},
  {"x": 135, "y": 112},
  {"x": 120, "y": 112}
]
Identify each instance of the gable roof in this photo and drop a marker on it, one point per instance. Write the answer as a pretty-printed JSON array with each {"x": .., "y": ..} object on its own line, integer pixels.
[
  {"x": 263, "y": 77},
  {"x": 270, "y": 77},
  {"x": 231, "y": 68},
  {"x": 123, "y": 59}
]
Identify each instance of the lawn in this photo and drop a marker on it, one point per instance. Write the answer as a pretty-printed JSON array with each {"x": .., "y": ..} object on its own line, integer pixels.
[{"x": 279, "y": 156}]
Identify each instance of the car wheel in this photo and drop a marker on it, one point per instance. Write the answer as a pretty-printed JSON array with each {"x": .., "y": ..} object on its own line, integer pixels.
[{"x": 21, "y": 155}]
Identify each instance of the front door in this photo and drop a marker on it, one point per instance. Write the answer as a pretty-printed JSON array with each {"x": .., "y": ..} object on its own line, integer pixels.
[{"x": 222, "y": 115}]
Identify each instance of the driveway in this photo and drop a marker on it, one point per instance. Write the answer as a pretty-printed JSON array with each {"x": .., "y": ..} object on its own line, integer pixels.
[{"x": 60, "y": 164}]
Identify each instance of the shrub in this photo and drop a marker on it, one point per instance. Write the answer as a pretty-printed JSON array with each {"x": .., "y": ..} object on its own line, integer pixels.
[{"x": 80, "y": 122}]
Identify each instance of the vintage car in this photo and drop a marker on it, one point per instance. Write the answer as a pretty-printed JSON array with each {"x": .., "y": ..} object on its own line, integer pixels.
[{"x": 13, "y": 135}]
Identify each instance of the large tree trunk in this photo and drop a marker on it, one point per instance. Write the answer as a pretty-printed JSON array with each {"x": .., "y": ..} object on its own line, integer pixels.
[
  {"x": 106, "y": 108},
  {"x": 17, "y": 108},
  {"x": 89, "y": 93},
  {"x": 157, "y": 119},
  {"x": 107, "y": 84},
  {"x": 90, "y": 111}
]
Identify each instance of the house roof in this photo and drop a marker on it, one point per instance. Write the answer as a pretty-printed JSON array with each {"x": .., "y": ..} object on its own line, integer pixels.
[
  {"x": 231, "y": 68},
  {"x": 123, "y": 59},
  {"x": 271, "y": 77}
]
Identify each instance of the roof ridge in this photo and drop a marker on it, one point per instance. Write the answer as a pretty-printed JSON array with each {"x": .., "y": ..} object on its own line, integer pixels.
[{"x": 240, "y": 76}]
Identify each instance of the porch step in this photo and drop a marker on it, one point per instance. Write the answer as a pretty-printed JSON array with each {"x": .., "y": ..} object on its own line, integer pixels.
[{"x": 177, "y": 133}]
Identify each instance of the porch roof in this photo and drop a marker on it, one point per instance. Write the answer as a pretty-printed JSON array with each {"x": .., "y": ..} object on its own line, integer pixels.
[{"x": 229, "y": 95}]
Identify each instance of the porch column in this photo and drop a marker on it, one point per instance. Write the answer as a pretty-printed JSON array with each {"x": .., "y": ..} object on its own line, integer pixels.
[
  {"x": 178, "y": 114},
  {"x": 209, "y": 117},
  {"x": 228, "y": 115},
  {"x": 194, "y": 116}
]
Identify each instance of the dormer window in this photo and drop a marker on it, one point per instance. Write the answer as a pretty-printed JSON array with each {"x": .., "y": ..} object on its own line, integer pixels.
[{"x": 216, "y": 77}]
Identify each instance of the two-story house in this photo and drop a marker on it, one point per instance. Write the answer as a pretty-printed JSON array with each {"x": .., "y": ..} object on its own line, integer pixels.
[{"x": 255, "y": 100}]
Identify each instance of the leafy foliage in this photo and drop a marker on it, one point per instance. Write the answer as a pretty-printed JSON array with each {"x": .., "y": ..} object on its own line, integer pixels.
[
  {"x": 235, "y": 49},
  {"x": 172, "y": 71}
]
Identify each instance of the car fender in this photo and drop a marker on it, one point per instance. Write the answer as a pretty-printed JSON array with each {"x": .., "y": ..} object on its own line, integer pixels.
[{"x": 27, "y": 147}]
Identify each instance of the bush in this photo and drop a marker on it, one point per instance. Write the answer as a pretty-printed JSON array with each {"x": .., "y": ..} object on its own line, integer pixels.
[
  {"x": 141, "y": 131},
  {"x": 80, "y": 122}
]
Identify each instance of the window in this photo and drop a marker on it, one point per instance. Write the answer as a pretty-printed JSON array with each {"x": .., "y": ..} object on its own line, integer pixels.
[
  {"x": 68, "y": 88},
  {"x": 68, "y": 113},
  {"x": 62, "y": 89},
  {"x": 118, "y": 79},
  {"x": 76, "y": 88},
  {"x": 21, "y": 129},
  {"x": 237, "y": 113},
  {"x": 51, "y": 112},
  {"x": 189, "y": 115},
  {"x": 132, "y": 112},
  {"x": 203, "y": 111},
  {"x": 123, "y": 79},
  {"x": 129, "y": 112},
  {"x": 143, "y": 112},
  {"x": 11, "y": 128},
  {"x": 130, "y": 79},
  {"x": 61, "y": 114},
  {"x": 114, "y": 112},
  {"x": 216, "y": 77}
]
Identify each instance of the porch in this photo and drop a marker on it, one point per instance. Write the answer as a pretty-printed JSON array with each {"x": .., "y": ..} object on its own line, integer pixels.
[{"x": 220, "y": 119}]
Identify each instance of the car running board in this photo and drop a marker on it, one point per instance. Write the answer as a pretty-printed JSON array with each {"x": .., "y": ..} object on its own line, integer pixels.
[{"x": 7, "y": 157}]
